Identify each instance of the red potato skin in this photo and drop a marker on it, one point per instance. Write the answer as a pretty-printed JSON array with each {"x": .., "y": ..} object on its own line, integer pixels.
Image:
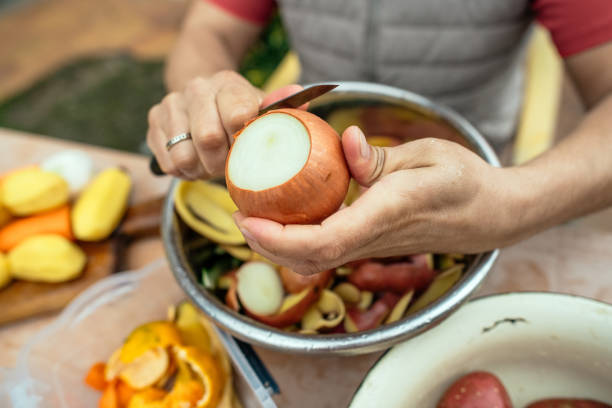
[
  {"x": 375, "y": 315},
  {"x": 478, "y": 389},
  {"x": 568, "y": 403},
  {"x": 289, "y": 316},
  {"x": 300, "y": 201},
  {"x": 339, "y": 329},
  {"x": 400, "y": 277},
  {"x": 294, "y": 282}
]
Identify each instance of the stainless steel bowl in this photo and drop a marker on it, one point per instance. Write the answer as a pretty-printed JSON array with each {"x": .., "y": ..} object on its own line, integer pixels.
[{"x": 382, "y": 110}]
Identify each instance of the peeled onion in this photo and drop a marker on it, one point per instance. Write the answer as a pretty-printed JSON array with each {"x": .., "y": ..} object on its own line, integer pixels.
[
  {"x": 75, "y": 166},
  {"x": 287, "y": 166}
]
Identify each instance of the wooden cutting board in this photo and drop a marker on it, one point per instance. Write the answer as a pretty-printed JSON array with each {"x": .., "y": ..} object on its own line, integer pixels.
[{"x": 23, "y": 299}]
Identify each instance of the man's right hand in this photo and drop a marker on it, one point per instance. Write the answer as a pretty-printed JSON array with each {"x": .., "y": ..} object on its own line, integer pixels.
[{"x": 212, "y": 110}]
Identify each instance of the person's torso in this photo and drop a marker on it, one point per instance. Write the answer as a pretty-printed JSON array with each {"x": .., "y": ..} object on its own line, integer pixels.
[{"x": 464, "y": 53}]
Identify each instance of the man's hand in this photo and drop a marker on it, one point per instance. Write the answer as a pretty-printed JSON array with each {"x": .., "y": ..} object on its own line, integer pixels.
[
  {"x": 212, "y": 110},
  {"x": 426, "y": 195}
]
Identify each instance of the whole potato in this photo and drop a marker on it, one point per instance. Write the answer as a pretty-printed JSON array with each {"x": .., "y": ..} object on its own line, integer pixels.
[{"x": 479, "y": 389}]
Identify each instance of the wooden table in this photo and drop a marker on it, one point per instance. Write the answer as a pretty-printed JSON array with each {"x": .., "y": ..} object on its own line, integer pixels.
[{"x": 573, "y": 258}]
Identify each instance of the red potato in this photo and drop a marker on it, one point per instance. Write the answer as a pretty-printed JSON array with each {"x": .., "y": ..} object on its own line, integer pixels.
[
  {"x": 360, "y": 320},
  {"x": 294, "y": 282},
  {"x": 568, "y": 403},
  {"x": 478, "y": 389},
  {"x": 293, "y": 308},
  {"x": 400, "y": 277}
]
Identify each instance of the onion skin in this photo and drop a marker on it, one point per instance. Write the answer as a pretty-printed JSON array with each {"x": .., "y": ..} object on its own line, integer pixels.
[
  {"x": 291, "y": 315},
  {"x": 231, "y": 297},
  {"x": 311, "y": 195}
]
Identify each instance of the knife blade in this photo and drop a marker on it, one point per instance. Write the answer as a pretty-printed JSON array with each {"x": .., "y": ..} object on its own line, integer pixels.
[
  {"x": 299, "y": 98},
  {"x": 292, "y": 101}
]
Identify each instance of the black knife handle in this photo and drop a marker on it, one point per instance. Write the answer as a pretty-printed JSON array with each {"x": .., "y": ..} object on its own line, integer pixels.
[{"x": 154, "y": 167}]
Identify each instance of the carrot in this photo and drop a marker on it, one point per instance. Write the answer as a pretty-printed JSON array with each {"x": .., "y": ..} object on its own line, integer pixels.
[
  {"x": 124, "y": 394},
  {"x": 95, "y": 377},
  {"x": 51, "y": 222},
  {"x": 109, "y": 399}
]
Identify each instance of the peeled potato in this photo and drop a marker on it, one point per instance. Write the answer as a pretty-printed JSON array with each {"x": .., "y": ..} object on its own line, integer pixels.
[{"x": 46, "y": 258}]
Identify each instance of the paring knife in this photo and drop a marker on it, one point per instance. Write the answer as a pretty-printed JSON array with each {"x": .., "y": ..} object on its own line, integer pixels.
[{"x": 293, "y": 101}]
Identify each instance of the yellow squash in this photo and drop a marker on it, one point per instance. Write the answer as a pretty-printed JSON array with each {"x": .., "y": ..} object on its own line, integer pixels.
[
  {"x": 5, "y": 276},
  {"x": 100, "y": 207},
  {"x": 147, "y": 337},
  {"x": 202, "y": 386},
  {"x": 5, "y": 215},
  {"x": 32, "y": 190},
  {"x": 192, "y": 332},
  {"x": 46, "y": 258},
  {"x": 220, "y": 354},
  {"x": 148, "y": 398}
]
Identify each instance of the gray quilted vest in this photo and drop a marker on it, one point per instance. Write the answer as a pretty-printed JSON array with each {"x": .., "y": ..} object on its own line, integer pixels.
[{"x": 467, "y": 54}]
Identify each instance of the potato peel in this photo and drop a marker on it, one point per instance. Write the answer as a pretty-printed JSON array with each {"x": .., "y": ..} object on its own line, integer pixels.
[{"x": 207, "y": 209}]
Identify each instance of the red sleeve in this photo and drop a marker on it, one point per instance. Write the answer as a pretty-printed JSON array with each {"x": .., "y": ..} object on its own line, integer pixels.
[
  {"x": 575, "y": 25},
  {"x": 255, "y": 11}
]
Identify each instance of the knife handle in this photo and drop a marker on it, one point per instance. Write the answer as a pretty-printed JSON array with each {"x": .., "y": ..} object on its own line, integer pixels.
[{"x": 155, "y": 168}]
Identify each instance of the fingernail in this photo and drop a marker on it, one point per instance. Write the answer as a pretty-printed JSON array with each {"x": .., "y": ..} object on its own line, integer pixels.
[
  {"x": 247, "y": 234},
  {"x": 365, "y": 148}
]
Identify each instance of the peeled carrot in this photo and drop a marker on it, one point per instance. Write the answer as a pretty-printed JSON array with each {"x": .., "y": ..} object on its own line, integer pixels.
[
  {"x": 95, "y": 377},
  {"x": 124, "y": 394},
  {"x": 109, "y": 399},
  {"x": 51, "y": 222}
]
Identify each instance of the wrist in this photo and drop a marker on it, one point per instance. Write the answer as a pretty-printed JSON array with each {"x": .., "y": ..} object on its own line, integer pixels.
[{"x": 519, "y": 202}]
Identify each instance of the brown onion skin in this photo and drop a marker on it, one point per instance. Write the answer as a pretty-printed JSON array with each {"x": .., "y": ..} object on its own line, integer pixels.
[
  {"x": 310, "y": 196},
  {"x": 289, "y": 316}
]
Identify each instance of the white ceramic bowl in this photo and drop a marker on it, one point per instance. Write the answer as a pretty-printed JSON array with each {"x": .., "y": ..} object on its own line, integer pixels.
[{"x": 539, "y": 344}]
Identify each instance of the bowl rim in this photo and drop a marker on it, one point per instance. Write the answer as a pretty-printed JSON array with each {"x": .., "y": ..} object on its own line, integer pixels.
[
  {"x": 488, "y": 298},
  {"x": 377, "y": 339}
]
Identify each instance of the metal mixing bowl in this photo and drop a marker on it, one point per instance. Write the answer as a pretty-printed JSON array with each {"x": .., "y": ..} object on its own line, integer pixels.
[{"x": 380, "y": 110}]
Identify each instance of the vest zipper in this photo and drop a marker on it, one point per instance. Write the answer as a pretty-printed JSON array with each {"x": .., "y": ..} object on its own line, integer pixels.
[{"x": 369, "y": 62}]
